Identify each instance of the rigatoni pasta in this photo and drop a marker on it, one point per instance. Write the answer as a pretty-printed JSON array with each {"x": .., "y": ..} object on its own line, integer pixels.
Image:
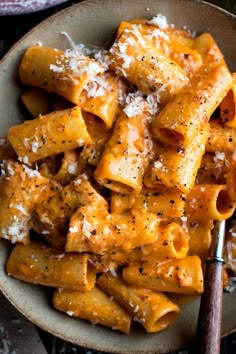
[
  {"x": 19, "y": 201},
  {"x": 145, "y": 65},
  {"x": 186, "y": 115},
  {"x": 200, "y": 237},
  {"x": 63, "y": 73},
  {"x": 125, "y": 156},
  {"x": 181, "y": 276},
  {"x": 100, "y": 98},
  {"x": 41, "y": 264},
  {"x": 111, "y": 190},
  {"x": 162, "y": 201},
  {"x": 95, "y": 306},
  {"x": 211, "y": 202},
  {"x": 172, "y": 165},
  {"x": 228, "y": 105},
  {"x": 35, "y": 140},
  {"x": 152, "y": 309}
]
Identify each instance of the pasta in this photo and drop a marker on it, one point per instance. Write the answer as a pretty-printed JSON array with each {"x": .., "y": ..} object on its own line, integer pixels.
[
  {"x": 150, "y": 67},
  {"x": 19, "y": 201},
  {"x": 40, "y": 264},
  {"x": 221, "y": 138},
  {"x": 186, "y": 115},
  {"x": 93, "y": 305},
  {"x": 125, "y": 156},
  {"x": 162, "y": 201},
  {"x": 177, "y": 276},
  {"x": 102, "y": 103},
  {"x": 200, "y": 237},
  {"x": 34, "y": 139},
  {"x": 110, "y": 191},
  {"x": 144, "y": 305},
  {"x": 211, "y": 202},
  {"x": 57, "y": 71},
  {"x": 171, "y": 166},
  {"x": 228, "y": 105}
]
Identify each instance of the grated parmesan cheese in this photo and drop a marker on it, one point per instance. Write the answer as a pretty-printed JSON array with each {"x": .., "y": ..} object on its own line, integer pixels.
[
  {"x": 81, "y": 47},
  {"x": 193, "y": 203},
  {"x": 159, "y": 21},
  {"x": 9, "y": 170},
  {"x": 92, "y": 68},
  {"x": 135, "y": 30},
  {"x": 17, "y": 231},
  {"x": 87, "y": 227},
  {"x": 219, "y": 156},
  {"x": 184, "y": 220},
  {"x": 72, "y": 168},
  {"x": 120, "y": 51},
  {"x": 113, "y": 272},
  {"x": 25, "y": 160},
  {"x": 58, "y": 256},
  {"x": 103, "y": 58},
  {"x": 80, "y": 142},
  {"x": 77, "y": 63},
  {"x": 157, "y": 164},
  {"x": 35, "y": 146},
  {"x": 156, "y": 34},
  {"x": 153, "y": 103},
  {"x": 73, "y": 229},
  {"x": 97, "y": 87},
  {"x": 135, "y": 105},
  {"x": 19, "y": 207},
  {"x": 55, "y": 68}
]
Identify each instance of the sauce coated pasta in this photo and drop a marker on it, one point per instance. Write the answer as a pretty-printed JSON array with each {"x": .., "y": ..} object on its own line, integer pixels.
[{"x": 110, "y": 190}]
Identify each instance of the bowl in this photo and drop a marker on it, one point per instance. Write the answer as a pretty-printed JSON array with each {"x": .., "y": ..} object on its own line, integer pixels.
[{"x": 94, "y": 22}]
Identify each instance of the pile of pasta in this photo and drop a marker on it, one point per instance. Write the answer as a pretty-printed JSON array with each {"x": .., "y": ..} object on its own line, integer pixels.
[{"x": 110, "y": 191}]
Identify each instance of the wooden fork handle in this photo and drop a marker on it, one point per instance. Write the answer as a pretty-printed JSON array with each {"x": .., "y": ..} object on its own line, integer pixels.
[{"x": 208, "y": 333}]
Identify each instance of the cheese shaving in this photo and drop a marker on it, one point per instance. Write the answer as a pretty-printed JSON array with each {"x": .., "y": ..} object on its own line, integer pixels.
[{"x": 159, "y": 21}]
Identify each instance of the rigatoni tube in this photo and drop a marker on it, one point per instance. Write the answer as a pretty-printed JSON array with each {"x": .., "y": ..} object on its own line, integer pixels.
[
  {"x": 38, "y": 263},
  {"x": 209, "y": 202},
  {"x": 163, "y": 201},
  {"x": 65, "y": 73},
  {"x": 124, "y": 158},
  {"x": 145, "y": 65},
  {"x": 93, "y": 229},
  {"x": 186, "y": 115},
  {"x": 176, "y": 167},
  {"x": 48, "y": 135},
  {"x": 21, "y": 189},
  {"x": 94, "y": 306},
  {"x": 52, "y": 216},
  {"x": 183, "y": 276},
  {"x": 152, "y": 309}
]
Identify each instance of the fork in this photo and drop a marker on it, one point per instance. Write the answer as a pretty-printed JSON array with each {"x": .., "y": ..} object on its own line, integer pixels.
[{"x": 208, "y": 333}]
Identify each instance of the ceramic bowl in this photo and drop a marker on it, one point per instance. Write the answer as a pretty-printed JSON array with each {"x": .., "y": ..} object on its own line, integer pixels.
[{"x": 94, "y": 22}]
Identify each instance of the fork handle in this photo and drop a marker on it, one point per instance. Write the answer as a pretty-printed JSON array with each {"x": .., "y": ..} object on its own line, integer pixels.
[{"x": 208, "y": 332}]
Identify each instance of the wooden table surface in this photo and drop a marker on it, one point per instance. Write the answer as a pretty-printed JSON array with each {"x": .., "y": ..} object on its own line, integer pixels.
[{"x": 17, "y": 334}]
